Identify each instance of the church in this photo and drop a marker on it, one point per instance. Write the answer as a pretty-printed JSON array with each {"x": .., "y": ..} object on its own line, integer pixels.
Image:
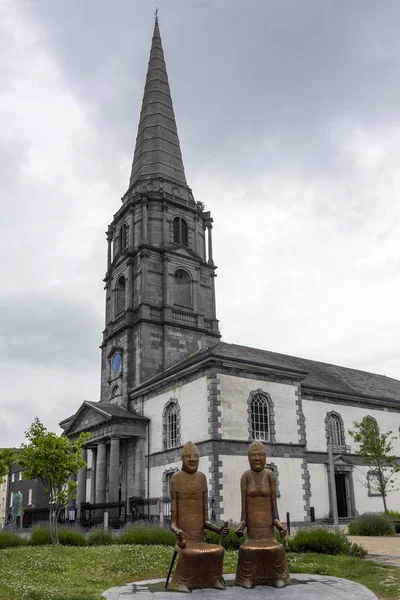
[{"x": 166, "y": 376}]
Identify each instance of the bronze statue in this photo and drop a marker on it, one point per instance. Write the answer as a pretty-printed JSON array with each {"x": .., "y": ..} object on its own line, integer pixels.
[
  {"x": 262, "y": 559},
  {"x": 199, "y": 564}
]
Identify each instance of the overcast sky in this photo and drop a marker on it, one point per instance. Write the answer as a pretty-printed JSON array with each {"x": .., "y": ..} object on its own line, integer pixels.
[{"x": 289, "y": 119}]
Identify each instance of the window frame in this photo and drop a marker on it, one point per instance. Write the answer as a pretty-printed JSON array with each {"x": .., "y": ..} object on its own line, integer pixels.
[
  {"x": 171, "y": 407},
  {"x": 265, "y": 398},
  {"x": 180, "y": 232}
]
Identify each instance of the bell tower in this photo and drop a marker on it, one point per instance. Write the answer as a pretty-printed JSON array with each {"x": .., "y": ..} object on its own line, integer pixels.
[{"x": 160, "y": 293}]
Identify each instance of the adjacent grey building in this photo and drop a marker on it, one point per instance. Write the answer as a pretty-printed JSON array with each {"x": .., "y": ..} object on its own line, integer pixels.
[{"x": 166, "y": 377}]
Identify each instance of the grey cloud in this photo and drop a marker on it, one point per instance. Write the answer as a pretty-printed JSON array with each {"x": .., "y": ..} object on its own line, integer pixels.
[
  {"x": 241, "y": 72},
  {"x": 48, "y": 329}
]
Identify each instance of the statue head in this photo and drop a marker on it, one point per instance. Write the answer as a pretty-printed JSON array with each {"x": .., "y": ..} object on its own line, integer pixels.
[
  {"x": 257, "y": 456},
  {"x": 190, "y": 458}
]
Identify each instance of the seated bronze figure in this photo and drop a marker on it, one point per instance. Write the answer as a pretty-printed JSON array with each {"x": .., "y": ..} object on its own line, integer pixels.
[
  {"x": 199, "y": 563},
  {"x": 262, "y": 559}
]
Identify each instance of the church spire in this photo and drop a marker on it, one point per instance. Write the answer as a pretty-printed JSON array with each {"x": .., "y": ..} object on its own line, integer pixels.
[{"x": 157, "y": 150}]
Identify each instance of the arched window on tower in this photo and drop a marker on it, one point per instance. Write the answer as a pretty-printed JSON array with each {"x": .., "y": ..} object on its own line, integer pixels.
[
  {"x": 180, "y": 232},
  {"x": 260, "y": 417},
  {"x": 120, "y": 295},
  {"x": 182, "y": 288},
  {"x": 123, "y": 237}
]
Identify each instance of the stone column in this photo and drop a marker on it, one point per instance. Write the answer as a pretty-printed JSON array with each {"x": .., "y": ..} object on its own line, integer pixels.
[
  {"x": 93, "y": 477},
  {"x": 81, "y": 491},
  {"x": 210, "y": 252},
  {"x": 109, "y": 235},
  {"x": 140, "y": 468},
  {"x": 214, "y": 308},
  {"x": 204, "y": 242},
  {"x": 143, "y": 257},
  {"x": 129, "y": 303},
  {"x": 101, "y": 473},
  {"x": 144, "y": 221},
  {"x": 113, "y": 486},
  {"x": 165, "y": 236},
  {"x": 195, "y": 233},
  {"x": 131, "y": 240},
  {"x": 166, "y": 299}
]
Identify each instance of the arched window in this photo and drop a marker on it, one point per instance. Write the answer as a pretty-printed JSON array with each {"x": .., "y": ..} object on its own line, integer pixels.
[
  {"x": 123, "y": 237},
  {"x": 120, "y": 295},
  {"x": 180, "y": 231},
  {"x": 260, "y": 417},
  {"x": 182, "y": 288},
  {"x": 171, "y": 424},
  {"x": 335, "y": 429}
]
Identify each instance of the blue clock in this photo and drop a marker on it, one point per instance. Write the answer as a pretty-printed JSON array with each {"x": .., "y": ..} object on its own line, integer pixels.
[{"x": 116, "y": 363}]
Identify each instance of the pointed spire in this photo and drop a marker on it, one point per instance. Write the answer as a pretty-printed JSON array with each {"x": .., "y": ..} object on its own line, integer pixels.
[{"x": 157, "y": 151}]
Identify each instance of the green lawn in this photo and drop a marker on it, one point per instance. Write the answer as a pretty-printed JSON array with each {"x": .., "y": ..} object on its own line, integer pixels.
[{"x": 73, "y": 573}]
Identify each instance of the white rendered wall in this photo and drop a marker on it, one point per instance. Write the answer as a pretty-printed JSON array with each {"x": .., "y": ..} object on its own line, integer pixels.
[
  {"x": 315, "y": 414},
  {"x": 192, "y": 398},
  {"x": 235, "y": 392},
  {"x": 319, "y": 490},
  {"x": 290, "y": 486},
  {"x": 156, "y": 475},
  {"x": 366, "y": 503}
]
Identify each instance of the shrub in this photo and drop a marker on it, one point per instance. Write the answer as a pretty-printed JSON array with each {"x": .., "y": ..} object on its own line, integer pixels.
[
  {"x": 40, "y": 536},
  {"x": 394, "y": 514},
  {"x": 147, "y": 535},
  {"x": 231, "y": 541},
  {"x": 322, "y": 541},
  {"x": 371, "y": 524},
  {"x": 10, "y": 539},
  {"x": 99, "y": 537},
  {"x": 71, "y": 537}
]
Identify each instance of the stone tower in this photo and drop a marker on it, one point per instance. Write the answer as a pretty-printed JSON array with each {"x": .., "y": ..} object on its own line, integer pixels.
[{"x": 160, "y": 294}]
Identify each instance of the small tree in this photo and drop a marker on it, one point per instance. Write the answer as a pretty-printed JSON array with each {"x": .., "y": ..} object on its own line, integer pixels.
[
  {"x": 376, "y": 451},
  {"x": 53, "y": 459},
  {"x": 7, "y": 457}
]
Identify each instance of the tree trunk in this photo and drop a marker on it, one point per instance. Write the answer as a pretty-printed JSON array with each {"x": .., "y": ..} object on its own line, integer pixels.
[{"x": 384, "y": 503}]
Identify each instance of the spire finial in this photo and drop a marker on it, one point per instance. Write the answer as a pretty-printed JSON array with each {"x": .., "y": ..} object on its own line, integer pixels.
[{"x": 156, "y": 16}]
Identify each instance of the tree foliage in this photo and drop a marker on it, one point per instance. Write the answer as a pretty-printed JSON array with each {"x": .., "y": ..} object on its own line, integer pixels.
[
  {"x": 376, "y": 450},
  {"x": 7, "y": 457},
  {"x": 53, "y": 459}
]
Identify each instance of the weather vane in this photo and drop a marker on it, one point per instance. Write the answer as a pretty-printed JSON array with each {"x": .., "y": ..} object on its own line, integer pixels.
[{"x": 156, "y": 15}]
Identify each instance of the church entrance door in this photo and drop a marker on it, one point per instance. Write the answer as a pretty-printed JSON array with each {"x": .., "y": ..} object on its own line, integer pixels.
[{"x": 341, "y": 494}]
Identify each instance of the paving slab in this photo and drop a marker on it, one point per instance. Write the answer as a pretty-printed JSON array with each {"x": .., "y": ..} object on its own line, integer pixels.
[{"x": 303, "y": 587}]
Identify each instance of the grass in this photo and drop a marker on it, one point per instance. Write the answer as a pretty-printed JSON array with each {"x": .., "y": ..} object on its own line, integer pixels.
[{"x": 82, "y": 573}]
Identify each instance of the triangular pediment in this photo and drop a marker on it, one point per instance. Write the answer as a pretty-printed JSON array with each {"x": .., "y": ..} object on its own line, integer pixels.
[
  {"x": 341, "y": 460},
  {"x": 85, "y": 419}
]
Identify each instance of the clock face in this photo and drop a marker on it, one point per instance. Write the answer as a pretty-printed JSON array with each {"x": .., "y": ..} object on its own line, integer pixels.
[{"x": 116, "y": 363}]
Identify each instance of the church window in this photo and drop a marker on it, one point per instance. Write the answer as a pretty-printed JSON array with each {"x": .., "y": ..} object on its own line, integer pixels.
[
  {"x": 182, "y": 288},
  {"x": 335, "y": 431},
  {"x": 120, "y": 295},
  {"x": 180, "y": 231},
  {"x": 171, "y": 425},
  {"x": 260, "y": 419},
  {"x": 123, "y": 237}
]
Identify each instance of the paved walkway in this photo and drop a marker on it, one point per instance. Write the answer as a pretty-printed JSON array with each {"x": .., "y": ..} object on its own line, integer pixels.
[
  {"x": 303, "y": 587},
  {"x": 381, "y": 548}
]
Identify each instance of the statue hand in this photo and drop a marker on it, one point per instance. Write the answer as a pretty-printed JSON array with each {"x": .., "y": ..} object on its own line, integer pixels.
[
  {"x": 283, "y": 532},
  {"x": 239, "y": 532},
  {"x": 224, "y": 531},
  {"x": 181, "y": 538}
]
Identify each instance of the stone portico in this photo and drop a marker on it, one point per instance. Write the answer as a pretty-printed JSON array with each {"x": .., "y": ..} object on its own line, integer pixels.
[{"x": 117, "y": 447}]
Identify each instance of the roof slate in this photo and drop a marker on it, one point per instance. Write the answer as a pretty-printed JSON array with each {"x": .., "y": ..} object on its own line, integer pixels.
[{"x": 319, "y": 376}]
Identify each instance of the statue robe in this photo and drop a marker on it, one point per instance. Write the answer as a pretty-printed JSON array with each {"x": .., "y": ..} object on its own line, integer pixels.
[
  {"x": 262, "y": 559},
  {"x": 199, "y": 564}
]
